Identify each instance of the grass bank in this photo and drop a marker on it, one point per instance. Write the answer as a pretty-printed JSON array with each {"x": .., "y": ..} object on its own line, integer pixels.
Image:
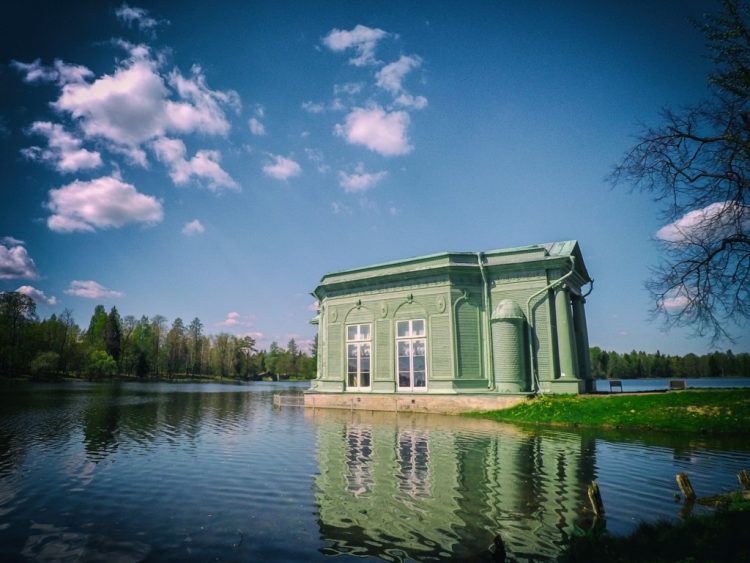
[
  {"x": 720, "y": 537},
  {"x": 715, "y": 411}
]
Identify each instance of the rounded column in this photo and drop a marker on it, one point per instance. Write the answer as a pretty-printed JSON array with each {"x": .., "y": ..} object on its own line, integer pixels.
[
  {"x": 566, "y": 344},
  {"x": 509, "y": 348}
]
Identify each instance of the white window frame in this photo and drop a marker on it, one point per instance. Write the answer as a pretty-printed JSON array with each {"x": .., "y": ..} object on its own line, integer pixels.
[
  {"x": 358, "y": 341},
  {"x": 411, "y": 338}
]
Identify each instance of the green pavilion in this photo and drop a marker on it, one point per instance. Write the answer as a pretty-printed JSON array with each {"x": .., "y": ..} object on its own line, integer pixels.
[{"x": 503, "y": 323}]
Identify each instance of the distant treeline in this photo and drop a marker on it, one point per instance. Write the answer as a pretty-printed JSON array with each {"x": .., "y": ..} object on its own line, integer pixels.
[
  {"x": 612, "y": 365},
  {"x": 145, "y": 347}
]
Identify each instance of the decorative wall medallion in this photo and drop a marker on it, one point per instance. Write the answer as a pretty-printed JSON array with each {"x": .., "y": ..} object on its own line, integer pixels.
[
  {"x": 334, "y": 315},
  {"x": 441, "y": 303},
  {"x": 383, "y": 309}
]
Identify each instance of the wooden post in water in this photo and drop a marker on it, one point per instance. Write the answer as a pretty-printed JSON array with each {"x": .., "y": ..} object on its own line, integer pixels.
[
  {"x": 595, "y": 498},
  {"x": 687, "y": 489},
  {"x": 744, "y": 479}
]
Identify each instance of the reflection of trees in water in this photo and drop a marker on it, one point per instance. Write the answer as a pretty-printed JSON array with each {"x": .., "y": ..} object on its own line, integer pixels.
[
  {"x": 443, "y": 493},
  {"x": 101, "y": 421}
]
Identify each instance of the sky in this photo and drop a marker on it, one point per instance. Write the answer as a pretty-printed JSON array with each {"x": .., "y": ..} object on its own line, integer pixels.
[{"x": 215, "y": 159}]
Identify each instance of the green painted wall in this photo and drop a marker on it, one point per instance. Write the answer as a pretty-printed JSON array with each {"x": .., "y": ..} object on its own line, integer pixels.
[{"x": 450, "y": 293}]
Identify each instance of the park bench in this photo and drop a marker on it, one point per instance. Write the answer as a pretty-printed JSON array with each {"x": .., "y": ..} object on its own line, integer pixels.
[
  {"x": 615, "y": 384},
  {"x": 677, "y": 385}
]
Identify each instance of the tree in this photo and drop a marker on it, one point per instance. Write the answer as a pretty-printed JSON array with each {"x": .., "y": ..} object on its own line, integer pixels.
[
  {"x": 17, "y": 312},
  {"x": 697, "y": 162},
  {"x": 95, "y": 332},
  {"x": 176, "y": 348},
  {"x": 112, "y": 335},
  {"x": 195, "y": 334}
]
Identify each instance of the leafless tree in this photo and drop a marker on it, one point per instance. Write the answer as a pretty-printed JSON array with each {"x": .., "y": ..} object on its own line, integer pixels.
[{"x": 697, "y": 164}]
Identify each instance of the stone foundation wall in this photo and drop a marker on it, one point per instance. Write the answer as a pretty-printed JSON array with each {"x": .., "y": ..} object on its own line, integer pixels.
[{"x": 443, "y": 404}]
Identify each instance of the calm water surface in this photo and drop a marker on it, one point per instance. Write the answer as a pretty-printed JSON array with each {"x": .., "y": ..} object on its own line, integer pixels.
[{"x": 126, "y": 472}]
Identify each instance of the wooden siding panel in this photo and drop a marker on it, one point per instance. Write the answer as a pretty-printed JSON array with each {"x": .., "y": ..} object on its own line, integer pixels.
[
  {"x": 334, "y": 351},
  {"x": 468, "y": 334},
  {"x": 384, "y": 351},
  {"x": 441, "y": 358}
]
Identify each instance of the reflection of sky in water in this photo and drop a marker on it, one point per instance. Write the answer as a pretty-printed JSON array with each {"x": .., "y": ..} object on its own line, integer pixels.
[{"x": 164, "y": 471}]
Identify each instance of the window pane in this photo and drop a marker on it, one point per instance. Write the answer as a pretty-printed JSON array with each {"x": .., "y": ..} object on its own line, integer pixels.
[
  {"x": 352, "y": 350},
  {"x": 364, "y": 364},
  {"x": 419, "y": 379},
  {"x": 417, "y": 328},
  {"x": 353, "y": 379},
  {"x": 365, "y": 379},
  {"x": 418, "y": 363},
  {"x": 403, "y": 349},
  {"x": 403, "y": 364},
  {"x": 364, "y": 350},
  {"x": 364, "y": 332},
  {"x": 403, "y": 328},
  {"x": 352, "y": 368},
  {"x": 403, "y": 379},
  {"x": 351, "y": 332},
  {"x": 419, "y": 347}
]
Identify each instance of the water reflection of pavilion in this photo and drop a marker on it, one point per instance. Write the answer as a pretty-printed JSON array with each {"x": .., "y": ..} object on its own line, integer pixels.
[{"x": 429, "y": 486}]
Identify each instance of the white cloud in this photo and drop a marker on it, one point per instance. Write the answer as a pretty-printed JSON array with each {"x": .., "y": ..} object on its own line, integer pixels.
[
  {"x": 91, "y": 290},
  {"x": 411, "y": 102},
  {"x": 64, "y": 150},
  {"x": 37, "y": 295},
  {"x": 390, "y": 76},
  {"x": 256, "y": 127},
  {"x": 714, "y": 221},
  {"x": 282, "y": 168},
  {"x": 360, "y": 181},
  {"x": 314, "y": 307},
  {"x": 60, "y": 72},
  {"x": 194, "y": 227},
  {"x": 313, "y": 107},
  {"x": 15, "y": 261},
  {"x": 134, "y": 104},
  {"x": 99, "y": 204},
  {"x": 234, "y": 319},
  {"x": 379, "y": 130},
  {"x": 205, "y": 164},
  {"x": 361, "y": 38},
  {"x": 138, "y": 17}
]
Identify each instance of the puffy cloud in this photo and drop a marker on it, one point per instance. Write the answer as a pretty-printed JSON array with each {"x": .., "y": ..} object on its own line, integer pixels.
[
  {"x": 360, "y": 181},
  {"x": 379, "y": 130},
  {"x": 411, "y": 102},
  {"x": 716, "y": 220},
  {"x": 390, "y": 76},
  {"x": 361, "y": 38},
  {"x": 133, "y": 105},
  {"x": 256, "y": 127},
  {"x": 314, "y": 307},
  {"x": 15, "y": 261},
  {"x": 194, "y": 227},
  {"x": 99, "y": 204},
  {"x": 234, "y": 319},
  {"x": 282, "y": 168},
  {"x": 91, "y": 290},
  {"x": 138, "y": 17},
  {"x": 60, "y": 72},
  {"x": 63, "y": 150},
  {"x": 37, "y": 295},
  {"x": 205, "y": 164}
]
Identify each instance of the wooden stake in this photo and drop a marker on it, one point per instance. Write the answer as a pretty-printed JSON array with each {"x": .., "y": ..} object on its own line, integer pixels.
[
  {"x": 744, "y": 479},
  {"x": 687, "y": 489},
  {"x": 595, "y": 498}
]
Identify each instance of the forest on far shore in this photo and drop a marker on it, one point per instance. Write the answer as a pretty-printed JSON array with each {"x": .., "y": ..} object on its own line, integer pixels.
[{"x": 140, "y": 347}]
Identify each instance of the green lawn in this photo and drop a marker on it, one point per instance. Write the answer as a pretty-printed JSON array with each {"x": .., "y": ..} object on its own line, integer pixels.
[{"x": 719, "y": 411}]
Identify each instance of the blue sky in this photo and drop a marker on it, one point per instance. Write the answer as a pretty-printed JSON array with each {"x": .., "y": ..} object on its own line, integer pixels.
[{"x": 216, "y": 159}]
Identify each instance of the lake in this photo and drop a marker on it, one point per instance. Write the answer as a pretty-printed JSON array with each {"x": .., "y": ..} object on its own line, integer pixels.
[{"x": 129, "y": 471}]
